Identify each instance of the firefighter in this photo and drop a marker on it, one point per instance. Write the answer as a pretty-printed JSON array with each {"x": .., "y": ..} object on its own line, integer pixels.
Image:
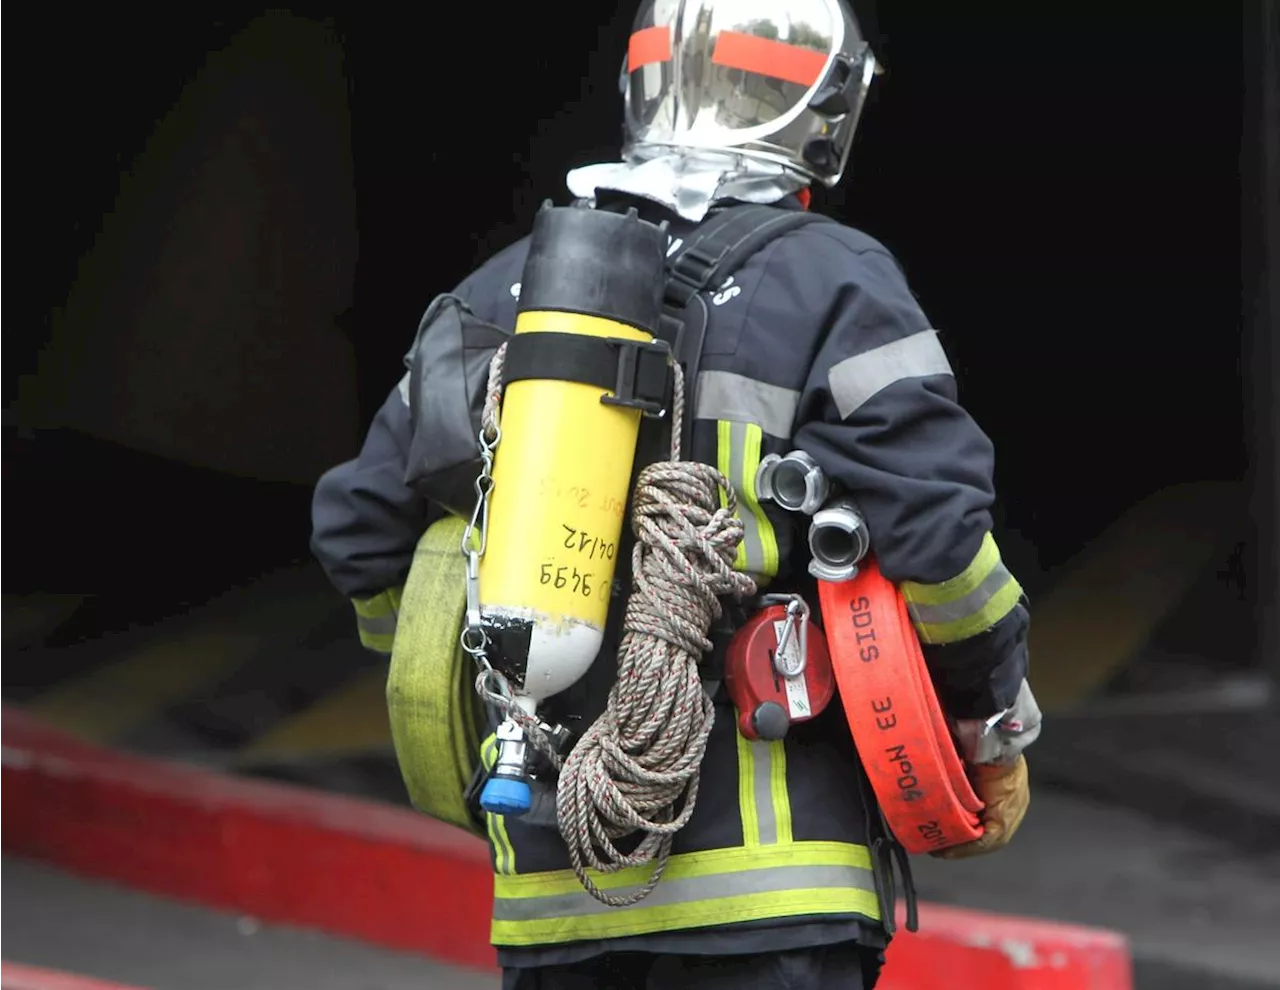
[{"x": 814, "y": 342}]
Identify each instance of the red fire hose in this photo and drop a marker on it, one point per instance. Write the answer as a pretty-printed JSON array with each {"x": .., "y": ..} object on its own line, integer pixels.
[{"x": 893, "y": 712}]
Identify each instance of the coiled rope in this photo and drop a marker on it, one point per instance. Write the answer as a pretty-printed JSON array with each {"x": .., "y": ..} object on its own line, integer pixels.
[{"x": 636, "y": 769}]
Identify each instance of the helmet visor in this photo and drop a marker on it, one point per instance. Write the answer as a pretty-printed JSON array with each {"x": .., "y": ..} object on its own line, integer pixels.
[{"x": 723, "y": 74}]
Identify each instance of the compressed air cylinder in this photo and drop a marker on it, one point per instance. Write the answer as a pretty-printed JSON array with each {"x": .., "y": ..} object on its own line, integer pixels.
[{"x": 563, "y": 466}]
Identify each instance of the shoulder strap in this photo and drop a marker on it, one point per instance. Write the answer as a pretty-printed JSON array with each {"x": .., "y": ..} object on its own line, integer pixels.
[
  {"x": 717, "y": 248},
  {"x": 723, "y": 243},
  {"x": 713, "y": 251}
]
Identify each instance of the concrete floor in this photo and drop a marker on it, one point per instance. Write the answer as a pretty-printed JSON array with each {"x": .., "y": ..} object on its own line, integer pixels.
[{"x": 1198, "y": 912}]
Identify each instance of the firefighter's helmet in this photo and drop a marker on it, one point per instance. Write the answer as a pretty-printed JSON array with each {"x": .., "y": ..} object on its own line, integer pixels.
[{"x": 782, "y": 82}]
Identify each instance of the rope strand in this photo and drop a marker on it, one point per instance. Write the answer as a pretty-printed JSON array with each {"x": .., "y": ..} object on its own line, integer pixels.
[{"x": 636, "y": 769}]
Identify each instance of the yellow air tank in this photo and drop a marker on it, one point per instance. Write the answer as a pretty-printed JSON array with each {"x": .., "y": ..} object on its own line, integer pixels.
[{"x": 580, "y": 371}]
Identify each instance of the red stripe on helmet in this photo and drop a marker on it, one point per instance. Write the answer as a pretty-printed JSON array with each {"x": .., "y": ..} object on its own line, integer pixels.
[
  {"x": 776, "y": 59},
  {"x": 649, "y": 45}
]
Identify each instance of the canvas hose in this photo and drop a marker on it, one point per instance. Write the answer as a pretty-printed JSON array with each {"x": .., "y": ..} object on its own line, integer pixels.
[
  {"x": 893, "y": 711},
  {"x": 636, "y": 768}
]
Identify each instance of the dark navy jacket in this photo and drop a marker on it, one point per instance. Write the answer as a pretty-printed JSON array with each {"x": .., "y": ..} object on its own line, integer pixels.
[{"x": 816, "y": 342}]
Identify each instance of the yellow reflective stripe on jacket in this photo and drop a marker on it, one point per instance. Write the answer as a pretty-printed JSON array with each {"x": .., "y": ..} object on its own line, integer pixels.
[
  {"x": 376, "y": 619},
  {"x": 738, "y": 458},
  {"x": 504, "y": 853},
  {"x": 763, "y": 801},
  {"x": 967, "y": 604},
  {"x": 716, "y": 887},
  {"x": 769, "y": 876}
]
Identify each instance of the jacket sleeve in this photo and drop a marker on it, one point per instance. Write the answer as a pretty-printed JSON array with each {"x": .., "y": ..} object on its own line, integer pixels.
[
  {"x": 880, "y": 413},
  {"x": 366, "y": 523}
]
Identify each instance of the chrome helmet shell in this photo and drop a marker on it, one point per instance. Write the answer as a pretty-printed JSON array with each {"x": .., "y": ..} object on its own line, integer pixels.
[{"x": 783, "y": 83}]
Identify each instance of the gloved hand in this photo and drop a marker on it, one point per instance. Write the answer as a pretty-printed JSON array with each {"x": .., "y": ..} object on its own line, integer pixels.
[{"x": 1006, "y": 793}]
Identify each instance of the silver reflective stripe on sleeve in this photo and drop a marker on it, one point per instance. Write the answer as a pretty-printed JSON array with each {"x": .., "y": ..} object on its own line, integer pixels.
[
  {"x": 857, "y": 379},
  {"x": 967, "y": 604},
  {"x": 726, "y": 396},
  {"x": 376, "y": 619},
  {"x": 382, "y": 626},
  {"x": 970, "y": 604}
]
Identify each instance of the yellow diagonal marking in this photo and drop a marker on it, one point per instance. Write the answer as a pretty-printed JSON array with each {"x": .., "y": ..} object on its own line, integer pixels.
[
  {"x": 352, "y": 719},
  {"x": 1122, "y": 586},
  {"x": 124, "y": 694}
]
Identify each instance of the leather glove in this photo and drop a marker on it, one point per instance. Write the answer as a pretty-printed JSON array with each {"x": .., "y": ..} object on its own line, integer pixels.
[{"x": 1006, "y": 793}]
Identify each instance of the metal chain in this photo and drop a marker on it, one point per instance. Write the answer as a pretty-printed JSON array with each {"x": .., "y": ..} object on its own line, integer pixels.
[
  {"x": 474, "y": 639},
  {"x": 491, "y": 684}
]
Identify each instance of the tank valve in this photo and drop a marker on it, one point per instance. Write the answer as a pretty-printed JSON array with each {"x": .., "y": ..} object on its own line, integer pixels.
[
  {"x": 794, "y": 482},
  {"x": 507, "y": 790},
  {"x": 838, "y": 540}
]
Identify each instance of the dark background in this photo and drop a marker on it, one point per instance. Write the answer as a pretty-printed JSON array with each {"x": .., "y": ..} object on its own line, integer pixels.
[{"x": 1064, "y": 186}]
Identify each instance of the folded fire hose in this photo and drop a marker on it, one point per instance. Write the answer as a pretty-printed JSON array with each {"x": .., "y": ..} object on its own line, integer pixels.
[
  {"x": 893, "y": 712},
  {"x": 436, "y": 716}
]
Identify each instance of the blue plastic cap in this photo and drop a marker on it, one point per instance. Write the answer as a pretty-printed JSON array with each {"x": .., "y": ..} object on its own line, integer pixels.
[{"x": 504, "y": 796}]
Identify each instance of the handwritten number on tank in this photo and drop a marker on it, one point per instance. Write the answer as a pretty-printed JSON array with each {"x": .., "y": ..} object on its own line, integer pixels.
[
  {"x": 583, "y": 542},
  {"x": 566, "y": 576}
]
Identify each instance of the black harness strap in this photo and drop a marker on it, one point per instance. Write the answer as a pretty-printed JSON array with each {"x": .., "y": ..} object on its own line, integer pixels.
[
  {"x": 717, "y": 249},
  {"x": 723, "y": 243},
  {"x": 637, "y": 372}
]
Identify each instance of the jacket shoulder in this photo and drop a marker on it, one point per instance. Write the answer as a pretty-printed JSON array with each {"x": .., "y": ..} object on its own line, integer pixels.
[
  {"x": 493, "y": 289},
  {"x": 821, "y": 265},
  {"x": 833, "y": 243}
]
